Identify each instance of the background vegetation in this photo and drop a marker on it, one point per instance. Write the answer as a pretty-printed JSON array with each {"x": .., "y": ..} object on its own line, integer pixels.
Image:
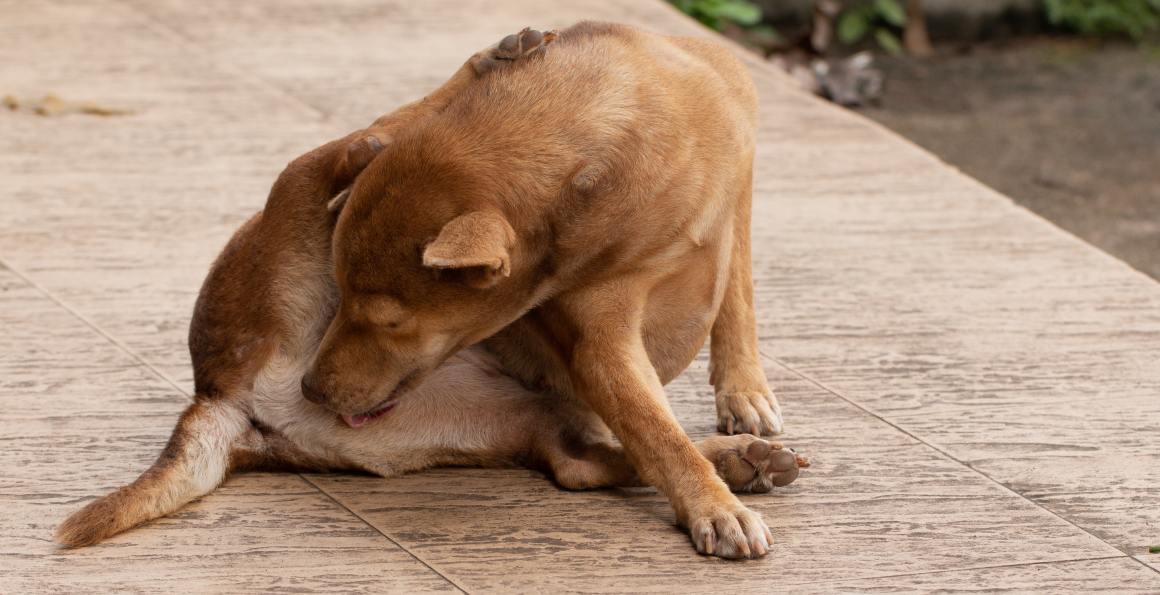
[{"x": 882, "y": 21}]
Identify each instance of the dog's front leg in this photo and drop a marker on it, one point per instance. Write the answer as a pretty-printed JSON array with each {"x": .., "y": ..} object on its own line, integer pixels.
[{"x": 611, "y": 371}]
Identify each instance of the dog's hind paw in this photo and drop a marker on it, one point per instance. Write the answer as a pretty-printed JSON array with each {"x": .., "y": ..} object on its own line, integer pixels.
[
  {"x": 749, "y": 464},
  {"x": 516, "y": 46}
]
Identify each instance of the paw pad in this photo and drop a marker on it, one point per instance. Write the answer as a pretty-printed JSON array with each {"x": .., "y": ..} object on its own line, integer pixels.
[
  {"x": 758, "y": 466},
  {"x": 524, "y": 43}
]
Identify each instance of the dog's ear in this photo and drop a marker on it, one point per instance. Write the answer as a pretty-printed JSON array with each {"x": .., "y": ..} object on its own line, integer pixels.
[{"x": 477, "y": 243}]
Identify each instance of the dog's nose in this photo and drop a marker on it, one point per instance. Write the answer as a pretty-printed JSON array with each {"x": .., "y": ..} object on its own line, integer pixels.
[{"x": 312, "y": 394}]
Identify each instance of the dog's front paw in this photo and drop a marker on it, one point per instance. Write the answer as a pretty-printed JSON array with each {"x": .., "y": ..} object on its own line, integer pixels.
[
  {"x": 729, "y": 531},
  {"x": 516, "y": 46},
  {"x": 749, "y": 464},
  {"x": 748, "y": 411}
]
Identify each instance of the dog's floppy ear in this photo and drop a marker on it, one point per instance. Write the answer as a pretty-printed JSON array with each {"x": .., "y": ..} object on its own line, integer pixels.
[{"x": 478, "y": 242}]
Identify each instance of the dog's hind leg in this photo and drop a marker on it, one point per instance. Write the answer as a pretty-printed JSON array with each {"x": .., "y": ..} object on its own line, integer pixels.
[
  {"x": 745, "y": 403},
  {"x": 746, "y": 463},
  {"x": 577, "y": 464},
  {"x": 262, "y": 449},
  {"x": 194, "y": 462},
  {"x": 516, "y": 47}
]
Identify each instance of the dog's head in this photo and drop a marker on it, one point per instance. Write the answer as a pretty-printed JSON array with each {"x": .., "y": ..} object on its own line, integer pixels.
[{"x": 423, "y": 272}]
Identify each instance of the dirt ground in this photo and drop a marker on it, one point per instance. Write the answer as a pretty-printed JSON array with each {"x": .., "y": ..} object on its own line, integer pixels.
[{"x": 1069, "y": 129}]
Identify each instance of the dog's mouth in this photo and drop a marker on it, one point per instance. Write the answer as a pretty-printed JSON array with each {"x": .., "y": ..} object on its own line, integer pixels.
[{"x": 361, "y": 419}]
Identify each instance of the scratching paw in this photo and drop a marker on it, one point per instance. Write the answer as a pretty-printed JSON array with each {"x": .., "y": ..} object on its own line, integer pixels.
[
  {"x": 749, "y": 464},
  {"x": 516, "y": 46},
  {"x": 750, "y": 411}
]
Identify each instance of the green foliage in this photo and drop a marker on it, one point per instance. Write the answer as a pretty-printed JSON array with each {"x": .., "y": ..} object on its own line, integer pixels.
[
  {"x": 1132, "y": 18},
  {"x": 719, "y": 13},
  {"x": 888, "y": 41},
  {"x": 763, "y": 36},
  {"x": 891, "y": 12},
  {"x": 881, "y": 17}
]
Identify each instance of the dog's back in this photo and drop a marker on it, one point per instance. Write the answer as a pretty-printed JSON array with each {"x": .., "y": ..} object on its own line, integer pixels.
[{"x": 615, "y": 112}]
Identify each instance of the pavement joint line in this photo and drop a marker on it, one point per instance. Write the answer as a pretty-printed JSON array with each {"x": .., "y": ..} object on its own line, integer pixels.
[
  {"x": 142, "y": 362},
  {"x": 397, "y": 544},
  {"x": 161, "y": 375},
  {"x": 164, "y": 377},
  {"x": 162, "y": 28},
  {"x": 819, "y": 384},
  {"x": 174, "y": 35},
  {"x": 95, "y": 328}
]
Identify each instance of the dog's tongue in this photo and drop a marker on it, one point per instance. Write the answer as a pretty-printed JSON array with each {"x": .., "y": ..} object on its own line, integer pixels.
[{"x": 357, "y": 421}]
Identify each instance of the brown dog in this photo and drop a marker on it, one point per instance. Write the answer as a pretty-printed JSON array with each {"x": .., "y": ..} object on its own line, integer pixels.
[
  {"x": 259, "y": 320},
  {"x": 588, "y": 215}
]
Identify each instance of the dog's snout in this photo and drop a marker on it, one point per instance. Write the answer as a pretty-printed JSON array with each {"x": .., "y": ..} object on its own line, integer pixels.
[{"x": 310, "y": 391}]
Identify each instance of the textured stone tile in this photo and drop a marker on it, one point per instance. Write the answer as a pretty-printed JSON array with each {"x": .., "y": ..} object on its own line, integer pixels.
[
  {"x": 34, "y": 328},
  {"x": 881, "y": 273},
  {"x": 121, "y": 216},
  {"x": 79, "y": 418},
  {"x": 259, "y": 533},
  {"x": 989, "y": 334},
  {"x": 389, "y": 52},
  {"x": 874, "y": 503},
  {"x": 1119, "y": 575}
]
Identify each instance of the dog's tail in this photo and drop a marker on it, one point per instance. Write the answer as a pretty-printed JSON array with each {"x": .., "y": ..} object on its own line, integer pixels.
[{"x": 196, "y": 460}]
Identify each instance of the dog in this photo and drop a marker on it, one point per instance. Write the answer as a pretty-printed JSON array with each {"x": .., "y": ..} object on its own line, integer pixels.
[
  {"x": 586, "y": 217},
  {"x": 260, "y": 317}
]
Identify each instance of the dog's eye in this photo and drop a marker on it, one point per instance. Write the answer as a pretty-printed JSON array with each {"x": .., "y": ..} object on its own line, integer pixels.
[
  {"x": 384, "y": 312},
  {"x": 449, "y": 275}
]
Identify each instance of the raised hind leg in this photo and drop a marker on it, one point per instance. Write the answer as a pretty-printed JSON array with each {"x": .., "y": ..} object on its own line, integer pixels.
[
  {"x": 745, "y": 403},
  {"x": 746, "y": 463}
]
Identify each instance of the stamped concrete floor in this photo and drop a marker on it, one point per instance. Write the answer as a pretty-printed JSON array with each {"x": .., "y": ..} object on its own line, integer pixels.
[{"x": 979, "y": 391}]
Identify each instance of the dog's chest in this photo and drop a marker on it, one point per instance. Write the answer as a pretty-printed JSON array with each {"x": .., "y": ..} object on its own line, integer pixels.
[{"x": 277, "y": 402}]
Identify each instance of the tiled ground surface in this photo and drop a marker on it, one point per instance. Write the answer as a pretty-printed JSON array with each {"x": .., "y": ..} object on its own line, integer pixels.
[{"x": 979, "y": 391}]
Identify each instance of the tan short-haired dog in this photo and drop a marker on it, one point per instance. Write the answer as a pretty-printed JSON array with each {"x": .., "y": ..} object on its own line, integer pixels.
[
  {"x": 260, "y": 317},
  {"x": 586, "y": 215}
]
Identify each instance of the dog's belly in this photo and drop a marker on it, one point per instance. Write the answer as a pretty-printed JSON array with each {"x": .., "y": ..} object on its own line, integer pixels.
[
  {"x": 679, "y": 314},
  {"x": 464, "y": 413}
]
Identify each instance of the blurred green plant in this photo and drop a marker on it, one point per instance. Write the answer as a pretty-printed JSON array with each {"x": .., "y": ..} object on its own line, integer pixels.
[
  {"x": 738, "y": 19},
  {"x": 718, "y": 14},
  {"x": 881, "y": 19},
  {"x": 1107, "y": 18}
]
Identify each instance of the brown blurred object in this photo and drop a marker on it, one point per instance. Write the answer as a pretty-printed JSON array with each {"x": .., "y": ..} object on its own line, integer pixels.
[
  {"x": 822, "y": 27},
  {"x": 914, "y": 36},
  {"x": 51, "y": 105}
]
